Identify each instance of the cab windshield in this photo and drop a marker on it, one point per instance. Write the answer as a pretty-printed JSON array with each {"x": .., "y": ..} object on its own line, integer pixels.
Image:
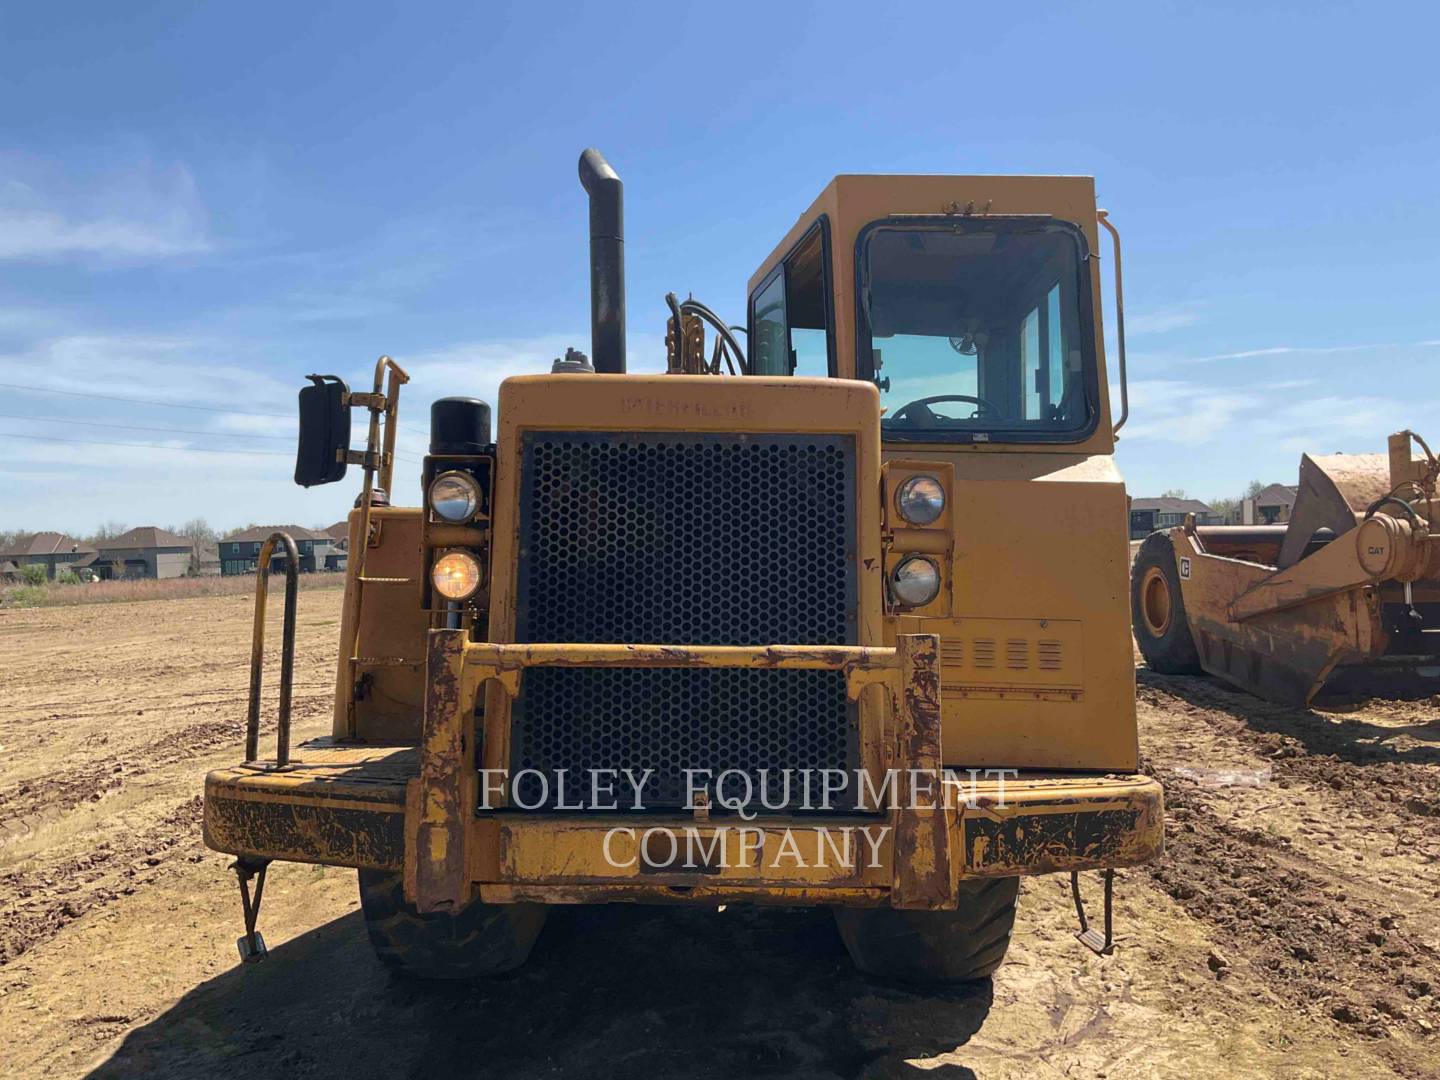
[{"x": 978, "y": 330}]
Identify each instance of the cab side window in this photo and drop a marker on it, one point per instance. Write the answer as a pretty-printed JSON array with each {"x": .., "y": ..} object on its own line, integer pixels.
[
  {"x": 790, "y": 331},
  {"x": 769, "y": 335}
]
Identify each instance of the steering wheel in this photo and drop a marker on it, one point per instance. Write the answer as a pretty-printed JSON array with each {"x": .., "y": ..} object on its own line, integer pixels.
[{"x": 919, "y": 414}]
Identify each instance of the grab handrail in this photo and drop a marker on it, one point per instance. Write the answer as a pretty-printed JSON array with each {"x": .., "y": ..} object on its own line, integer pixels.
[
  {"x": 287, "y": 656},
  {"x": 1103, "y": 216}
]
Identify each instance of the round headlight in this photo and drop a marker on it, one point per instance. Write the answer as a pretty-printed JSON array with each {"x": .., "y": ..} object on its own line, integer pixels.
[
  {"x": 915, "y": 582},
  {"x": 456, "y": 575},
  {"x": 455, "y": 497},
  {"x": 920, "y": 500}
]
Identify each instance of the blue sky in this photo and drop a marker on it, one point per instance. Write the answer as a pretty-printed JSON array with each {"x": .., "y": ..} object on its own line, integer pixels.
[{"x": 199, "y": 205}]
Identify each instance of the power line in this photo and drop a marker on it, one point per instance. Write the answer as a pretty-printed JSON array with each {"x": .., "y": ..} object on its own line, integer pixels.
[
  {"x": 162, "y": 446},
  {"x": 141, "y": 445},
  {"x": 142, "y": 401},
  {"x": 170, "y": 404},
  {"x": 134, "y": 427}
]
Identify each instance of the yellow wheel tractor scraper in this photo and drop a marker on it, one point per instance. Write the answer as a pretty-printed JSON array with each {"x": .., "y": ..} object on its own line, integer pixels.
[
  {"x": 761, "y": 628},
  {"x": 1345, "y": 596}
]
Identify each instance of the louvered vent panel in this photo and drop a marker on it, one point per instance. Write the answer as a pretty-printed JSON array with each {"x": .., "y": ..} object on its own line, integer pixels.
[
  {"x": 1052, "y": 658},
  {"x": 1017, "y": 654}
]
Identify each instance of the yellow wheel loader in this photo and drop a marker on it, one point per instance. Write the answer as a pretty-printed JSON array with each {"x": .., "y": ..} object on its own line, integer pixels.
[
  {"x": 1345, "y": 596},
  {"x": 831, "y": 616}
]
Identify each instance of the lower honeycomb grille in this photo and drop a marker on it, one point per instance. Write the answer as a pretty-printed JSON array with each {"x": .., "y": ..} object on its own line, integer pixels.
[{"x": 683, "y": 538}]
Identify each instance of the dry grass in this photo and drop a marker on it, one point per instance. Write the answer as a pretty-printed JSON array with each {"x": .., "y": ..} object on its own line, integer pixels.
[{"x": 112, "y": 592}]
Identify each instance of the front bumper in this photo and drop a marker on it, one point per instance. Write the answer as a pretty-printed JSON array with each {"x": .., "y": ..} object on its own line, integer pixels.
[{"x": 411, "y": 810}]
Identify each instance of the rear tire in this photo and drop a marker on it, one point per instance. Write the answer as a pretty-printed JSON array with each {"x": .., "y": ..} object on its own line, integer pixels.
[
  {"x": 1157, "y": 610},
  {"x": 483, "y": 939},
  {"x": 935, "y": 947}
]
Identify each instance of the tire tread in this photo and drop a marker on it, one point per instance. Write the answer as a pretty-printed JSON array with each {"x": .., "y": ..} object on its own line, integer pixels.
[
  {"x": 935, "y": 947},
  {"x": 483, "y": 939},
  {"x": 1174, "y": 652}
]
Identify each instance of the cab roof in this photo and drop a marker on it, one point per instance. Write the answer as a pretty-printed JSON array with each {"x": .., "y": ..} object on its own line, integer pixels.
[{"x": 853, "y": 200}]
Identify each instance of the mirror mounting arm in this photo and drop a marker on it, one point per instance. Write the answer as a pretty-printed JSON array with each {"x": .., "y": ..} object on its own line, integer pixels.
[{"x": 364, "y": 458}]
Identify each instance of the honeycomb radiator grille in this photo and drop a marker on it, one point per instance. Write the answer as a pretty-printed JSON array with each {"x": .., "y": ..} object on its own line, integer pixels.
[{"x": 683, "y": 538}]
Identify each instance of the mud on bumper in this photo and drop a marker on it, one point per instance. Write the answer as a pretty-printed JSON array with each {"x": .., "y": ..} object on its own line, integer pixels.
[
  {"x": 346, "y": 806},
  {"x": 413, "y": 809}
]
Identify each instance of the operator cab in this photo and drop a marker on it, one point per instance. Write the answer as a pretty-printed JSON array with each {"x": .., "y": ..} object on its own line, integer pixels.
[{"x": 968, "y": 301}]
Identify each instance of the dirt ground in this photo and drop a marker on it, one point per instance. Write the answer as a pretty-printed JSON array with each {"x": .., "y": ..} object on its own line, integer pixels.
[{"x": 1291, "y": 930}]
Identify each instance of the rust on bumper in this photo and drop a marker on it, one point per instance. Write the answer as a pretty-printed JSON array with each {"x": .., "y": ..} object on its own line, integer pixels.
[
  {"x": 415, "y": 810},
  {"x": 337, "y": 805},
  {"x": 345, "y": 806},
  {"x": 922, "y": 873},
  {"x": 1046, "y": 824}
]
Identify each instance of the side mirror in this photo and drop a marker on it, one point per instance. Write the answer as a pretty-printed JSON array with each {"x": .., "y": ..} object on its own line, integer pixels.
[{"x": 324, "y": 431}]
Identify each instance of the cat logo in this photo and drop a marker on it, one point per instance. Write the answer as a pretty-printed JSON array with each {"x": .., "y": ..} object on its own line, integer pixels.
[{"x": 1185, "y": 569}]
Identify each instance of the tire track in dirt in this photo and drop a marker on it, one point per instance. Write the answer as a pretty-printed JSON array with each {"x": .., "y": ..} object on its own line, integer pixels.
[
  {"x": 1354, "y": 738},
  {"x": 37, "y": 903},
  {"x": 110, "y": 711},
  {"x": 28, "y": 805},
  {"x": 1340, "y": 946},
  {"x": 1365, "y": 763}
]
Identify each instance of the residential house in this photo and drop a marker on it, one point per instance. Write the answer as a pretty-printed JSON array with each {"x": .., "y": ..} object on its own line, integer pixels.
[
  {"x": 1142, "y": 523},
  {"x": 340, "y": 532},
  {"x": 207, "y": 560},
  {"x": 52, "y": 550},
  {"x": 1147, "y": 515},
  {"x": 1274, "y": 504},
  {"x": 240, "y": 551},
  {"x": 144, "y": 552}
]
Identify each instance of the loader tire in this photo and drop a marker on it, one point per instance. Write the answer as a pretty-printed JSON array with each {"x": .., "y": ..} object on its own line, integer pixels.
[
  {"x": 935, "y": 947},
  {"x": 483, "y": 939},
  {"x": 1157, "y": 610}
]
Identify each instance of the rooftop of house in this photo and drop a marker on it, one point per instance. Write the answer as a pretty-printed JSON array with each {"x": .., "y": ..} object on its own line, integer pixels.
[
  {"x": 145, "y": 536},
  {"x": 1165, "y": 504},
  {"x": 45, "y": 543},
  {"x": 257, "y": 533},
  {"x": 1277, "y": 494}
]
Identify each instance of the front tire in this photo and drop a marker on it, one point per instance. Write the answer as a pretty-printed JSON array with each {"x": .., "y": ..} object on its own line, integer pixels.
[
  {"x": 1157, "y": 610},
  {"x": 935, "y": 947},
  {"x": 483, "y": 939}
]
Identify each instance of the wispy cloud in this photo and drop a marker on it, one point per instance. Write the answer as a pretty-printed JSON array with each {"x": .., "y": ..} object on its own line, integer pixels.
[
  {"x": 475, "y": 368},
  {"x": 165, "y": 482},
  {"x": 139, "y": 212},
  {"x": 1263, "y": 415},
  {"x": 39, "y": 234},
  {"x": 157, "y": 367},
  {"x": 1160, "y": 321},
  {"x": 1177, "y": 411},
  {"x": 1309, "y": 350}
]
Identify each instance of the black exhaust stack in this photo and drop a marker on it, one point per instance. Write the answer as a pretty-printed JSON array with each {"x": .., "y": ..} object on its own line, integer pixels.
[{"x": 607, "y": 262}]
